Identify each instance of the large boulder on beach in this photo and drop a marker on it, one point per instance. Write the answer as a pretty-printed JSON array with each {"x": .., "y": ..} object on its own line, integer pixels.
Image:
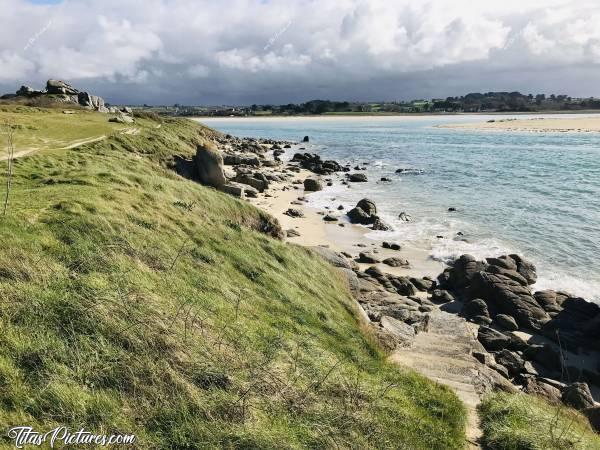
[
  {"x": 364, "y": 213},
  {"x": 209, "y": 165},
  {"x": 367, "y": 206},
  {"x": 358, "y": 215},
  {"x": 312, "y": 184}
]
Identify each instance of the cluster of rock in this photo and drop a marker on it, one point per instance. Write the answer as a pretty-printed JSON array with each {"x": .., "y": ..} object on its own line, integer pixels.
[
  {"x": 532, "y": 341},
  {"x": 538, "y": 340},
  {"x": 245, "y": 167},
  {"x": 62, "y": 92},
  {"x": 313, "y": 162},
  {"x": 365, "y": 213},
  {"x": 389, "y": 301}
]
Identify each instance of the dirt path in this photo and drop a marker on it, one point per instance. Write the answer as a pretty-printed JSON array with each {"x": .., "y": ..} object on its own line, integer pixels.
[
  {"x": 75, "y": 144},
  {"x": 443, "y": 354}
]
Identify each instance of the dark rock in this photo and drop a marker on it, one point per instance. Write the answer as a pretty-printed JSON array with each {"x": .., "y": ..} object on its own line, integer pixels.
[
  {"x": 396, "y": 262},
  {"x": 508, "y": 297},
  {"x": 506, "y": 322},
  {"x": 367, "y": 206},
  {"x": 391, "y": 245},
  {"x": 578, "y": 396},
  {"x": 451, "y": 209},
  {"x": 516, "y": 342},
  {"x": 292, "y": 233},
  {"x": 483, "y": 358},
  {"x": 513, "y": 362},
  {"x": 476, "y": 307},
  {"x": 312, "y": 184},
  {"x": 525, "y": 268},
  {"x": 441, "y": 296},
  {"x": 536, "y": 386},
  {"x": 379, "y": 225},
  {"x": 544, "y": 354},
  {"x": 385, "y": 179},
  {"x": 403, "y": 286},
  {"x": 481, "y": 320},
  {"x": 404, "y": 217},
  {"x": 511, "y": 274},
  {"x": 330, "y": 218},
  {"x": 593, "y": 415},
  {"x": 294, "y": 213},
  {"x": 367, "y": 257},
  {"x": 504, "y": 262},
  {"x": 462, "y": 271},
  {"x": 492, "y": 340},
  {"x": 305, "y": 139},
  {"x": 357, "y": 215},
  {"x": 357, "y": 178},
  {"x": 410, "y": 171},
  {"x": 547, "y": 300},
  {"x": 422, "y": 284}
]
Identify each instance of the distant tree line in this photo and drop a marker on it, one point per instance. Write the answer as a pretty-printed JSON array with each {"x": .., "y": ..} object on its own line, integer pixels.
[{"x": 473, "y": 102}]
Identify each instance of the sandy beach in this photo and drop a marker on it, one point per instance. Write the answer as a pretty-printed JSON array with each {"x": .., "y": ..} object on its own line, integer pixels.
[
  {"x": 341, "y": 236},
  {"x": 537, "y": 125}
]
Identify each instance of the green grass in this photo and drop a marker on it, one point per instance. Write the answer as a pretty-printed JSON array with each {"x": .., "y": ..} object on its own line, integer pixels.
[
  {"x": 525, "y": 422},
  {"x": 42, "y": 128},
  {"x": 135, "y": 301}
]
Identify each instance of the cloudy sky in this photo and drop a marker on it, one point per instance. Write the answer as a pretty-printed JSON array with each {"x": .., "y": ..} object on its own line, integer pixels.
[{"x": 281, "y": 51}]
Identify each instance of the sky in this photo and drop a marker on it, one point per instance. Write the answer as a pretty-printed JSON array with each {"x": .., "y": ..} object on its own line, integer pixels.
[{"x": 268, "y": 51}]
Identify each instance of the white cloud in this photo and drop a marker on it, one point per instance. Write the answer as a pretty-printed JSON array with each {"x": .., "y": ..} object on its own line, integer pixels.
[{"x": 253, "y": 45}]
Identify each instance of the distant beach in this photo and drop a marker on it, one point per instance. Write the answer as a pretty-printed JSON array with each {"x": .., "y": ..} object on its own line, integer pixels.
[{"x": 589, "y": 124}]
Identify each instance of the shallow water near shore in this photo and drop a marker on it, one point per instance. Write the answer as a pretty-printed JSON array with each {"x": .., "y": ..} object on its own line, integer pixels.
[{"x": 537, "y": 194}]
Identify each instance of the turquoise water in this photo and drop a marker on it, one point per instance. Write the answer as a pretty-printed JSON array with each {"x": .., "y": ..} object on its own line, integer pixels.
[{"x": 537, "y": 194}]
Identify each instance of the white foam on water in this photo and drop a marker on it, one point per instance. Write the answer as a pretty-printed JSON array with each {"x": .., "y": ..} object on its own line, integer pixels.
[{"x": 557, "y": 281}]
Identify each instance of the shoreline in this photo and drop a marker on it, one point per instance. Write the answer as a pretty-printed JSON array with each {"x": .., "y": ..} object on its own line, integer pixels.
[{"x": 349, "y": 238}]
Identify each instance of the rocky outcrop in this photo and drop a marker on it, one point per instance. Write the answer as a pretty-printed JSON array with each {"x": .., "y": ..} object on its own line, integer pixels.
[
  {"x": 209, "y": 165},
  {"x": 498, "y": 282},
  {"x": 60, "y": 87},
  {"x": 62, "y": 92}
]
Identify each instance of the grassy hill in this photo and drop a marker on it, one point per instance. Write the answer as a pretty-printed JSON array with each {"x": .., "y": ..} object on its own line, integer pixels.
[{"x": 135, "y": 301}]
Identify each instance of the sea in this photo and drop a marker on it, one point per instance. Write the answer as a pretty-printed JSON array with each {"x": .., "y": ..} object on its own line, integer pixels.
[{"x": 535, "y": 194}]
